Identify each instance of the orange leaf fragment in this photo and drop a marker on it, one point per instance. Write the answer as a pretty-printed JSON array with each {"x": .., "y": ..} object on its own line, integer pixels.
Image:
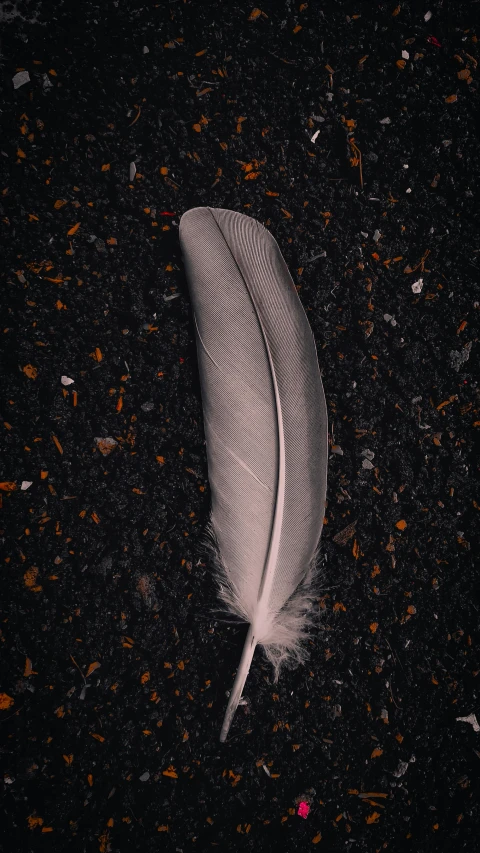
[
  {"x": 145, "y": 677},
  {"x": 73, "y": 230},
  {"x": 297, "y": 28},
  {"x": 57, "y": 444},
  {"x": 373, "y": 818},
  {"x": 106, "y": 167},
  {"x": 97, "y": 737},
  {"x": 376, "y": 752},
  {"x": 28, "y": 668},
  {"x": 34, "y": 820},
  {"x": 373, "y": 627},
  {"x": 160, "y": 459},
  {"x": 68, "y": 759},
  {"x": 7, "y": 486},
  {"x": 201, "y": 52},
  {"x": 170, "y": 772},
  {"x": 6, "y": 701},
  {"x": 197, "y": 127},
  {"x": 30, "y": 579},
  {"x": 316, "y": 838},
  {"x": 400, "y": 63},
  {"x": 92, "y": 668},
  {"x": 30, "y": 371},
  {"x": 401, "y": 525},
  {"x": 59, "y": 203},
  {"x": 95, "y": 517},
  {"x": 271, "y": 193},
  {"x": 451, "y": 99},
  {"x": 254, "y": 14}
]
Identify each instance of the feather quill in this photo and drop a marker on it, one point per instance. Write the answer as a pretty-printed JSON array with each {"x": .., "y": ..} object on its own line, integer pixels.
[{"x": 265, "y": 421}]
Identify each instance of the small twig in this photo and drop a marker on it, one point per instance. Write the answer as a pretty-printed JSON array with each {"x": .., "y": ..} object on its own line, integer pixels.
[{"x": 80, "y": 671}]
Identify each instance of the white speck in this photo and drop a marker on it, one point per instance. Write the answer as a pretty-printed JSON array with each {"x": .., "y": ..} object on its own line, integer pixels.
[
  {"x": 169, "y": 298},
  {"x": 408, "y": 191},
  {"x": 47, "y": 83},
  {"x": 470, "y": 719},
  {"x": 405, "y": 165},
  {"x": 65, "y": 380},
  {"x": 387, "y": 317},
  {"x": 314, "y": 136},
  {"x": 146, "y": 49},
  {"x": 427, "y": 16},
  {"x": 394, "y": 322},
  {"x": 364, "y": 233},
  {"x": 376, "y": 235},
  {"x": 133, "y": 171},
  {"x": 26, "y": 485},
  {"x": 20, "y": 78},
  {"x": 267, "y": 771},
  {"x": 145, "y": 776},
  {"x": 417, "y": 286},
  {"x": 405, "y": 54},
  {"x": 386, "y": 120},
  {"x": 367, "y": 464},
  {"x": 8, "y": 780}
]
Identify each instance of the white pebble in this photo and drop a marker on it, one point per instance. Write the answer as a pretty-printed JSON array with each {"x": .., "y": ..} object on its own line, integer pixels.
[
  {"x": 405, "y": 54},
  {"x": 470, "y": 719},
  {"x": 65, "y": 380},
  {"x": 26, "y": 485},
  {"x": 417, "y": 286},
  {"x": 314, "y": 136},
  {"x": 20, "y": 78},
  {"x": 427, "y": 16}
]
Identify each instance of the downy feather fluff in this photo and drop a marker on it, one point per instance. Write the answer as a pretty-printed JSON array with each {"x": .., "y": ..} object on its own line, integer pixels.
[{"x": 265, "y": 423}]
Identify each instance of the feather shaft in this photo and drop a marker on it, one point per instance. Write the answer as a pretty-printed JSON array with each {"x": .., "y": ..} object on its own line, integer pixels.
[{"x": 238, "y": 684}]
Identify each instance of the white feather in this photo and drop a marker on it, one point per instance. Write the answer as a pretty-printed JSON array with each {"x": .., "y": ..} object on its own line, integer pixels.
[{"x": 266, "y": 432}]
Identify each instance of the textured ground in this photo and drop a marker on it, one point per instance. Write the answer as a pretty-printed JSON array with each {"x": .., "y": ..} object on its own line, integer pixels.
[{"x": 349, "y": 131}]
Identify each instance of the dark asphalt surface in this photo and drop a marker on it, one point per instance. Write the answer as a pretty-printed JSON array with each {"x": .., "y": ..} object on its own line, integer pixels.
[{"x": 349, "y": 130}]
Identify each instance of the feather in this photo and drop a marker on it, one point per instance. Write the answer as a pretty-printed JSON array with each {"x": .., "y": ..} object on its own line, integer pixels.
[{"x": 265, "y": 421}]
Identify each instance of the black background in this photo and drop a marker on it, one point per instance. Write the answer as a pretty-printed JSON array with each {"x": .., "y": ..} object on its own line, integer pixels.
[{"x": 102, "y": 562}]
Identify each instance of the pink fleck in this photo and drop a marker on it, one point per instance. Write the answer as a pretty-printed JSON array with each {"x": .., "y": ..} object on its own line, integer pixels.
[
  {"x": 434, "y": 41},
  {"x": 303, "y": 809}
]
